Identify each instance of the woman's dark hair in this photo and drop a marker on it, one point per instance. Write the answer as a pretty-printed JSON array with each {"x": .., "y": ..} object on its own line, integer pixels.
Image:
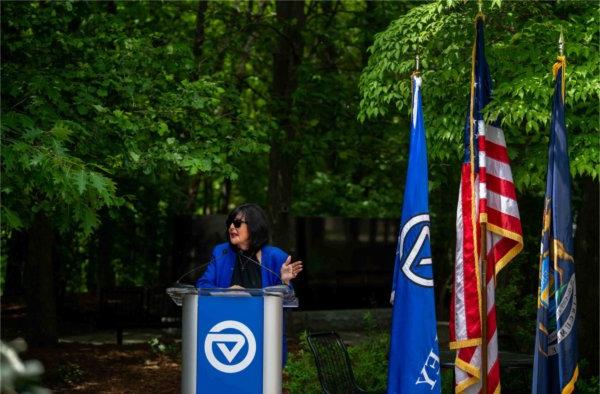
[{"x": 256, "y": 220}]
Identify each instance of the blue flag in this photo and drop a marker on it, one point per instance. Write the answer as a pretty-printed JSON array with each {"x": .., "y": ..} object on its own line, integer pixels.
[
  {"x": 555, "y": 356},
  {"x": 414, "y": 365}
]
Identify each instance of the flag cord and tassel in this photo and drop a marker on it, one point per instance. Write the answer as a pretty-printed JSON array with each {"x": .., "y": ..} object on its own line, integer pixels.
[{"x": 561, "y": 61}]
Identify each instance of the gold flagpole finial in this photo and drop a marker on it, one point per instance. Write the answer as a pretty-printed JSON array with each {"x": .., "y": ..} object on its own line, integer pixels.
[
  {"x": 561, "y": 43},
  {"x": 417, "y": 61},
  {"x": 480, "y": 5}
]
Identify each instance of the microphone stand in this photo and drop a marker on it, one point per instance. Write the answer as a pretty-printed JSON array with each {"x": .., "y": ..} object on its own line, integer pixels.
[{"x": 289, "y": 296}]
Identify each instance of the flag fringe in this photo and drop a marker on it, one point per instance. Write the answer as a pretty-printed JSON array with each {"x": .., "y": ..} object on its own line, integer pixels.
[
  {"x": 465, "y": 385},
  {"x": 469, "y": 368},
  {"x": 570, "y": 387},
  {"x": 465, "y": 343},
  {"x": 515, "y": 250}
]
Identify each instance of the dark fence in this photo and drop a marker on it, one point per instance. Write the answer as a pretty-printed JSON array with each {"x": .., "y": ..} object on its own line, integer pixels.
[{"x": 349, "y": 262}]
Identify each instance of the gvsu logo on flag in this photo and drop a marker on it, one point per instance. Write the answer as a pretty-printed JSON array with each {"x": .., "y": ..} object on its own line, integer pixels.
[
  {"x": 416, "y": 261},
  {"x": 228, "y": 338}
]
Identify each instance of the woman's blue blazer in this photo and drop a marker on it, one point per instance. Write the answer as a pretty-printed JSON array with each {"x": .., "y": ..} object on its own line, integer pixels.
[{"x": 220, "y": 269}]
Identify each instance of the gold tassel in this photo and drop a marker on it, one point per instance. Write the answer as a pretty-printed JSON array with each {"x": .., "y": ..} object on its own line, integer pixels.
[{"x": 561, "y": 62}]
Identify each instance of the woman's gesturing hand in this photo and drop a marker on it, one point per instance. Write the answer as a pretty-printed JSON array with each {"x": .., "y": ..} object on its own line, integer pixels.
[{"x": 290, "y": 270}]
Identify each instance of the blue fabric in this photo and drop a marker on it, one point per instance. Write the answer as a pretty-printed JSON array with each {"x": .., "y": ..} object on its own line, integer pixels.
[
  {"x": 219, "y": 272},
  {"x": 414, "y": 365},
  {"x": 555, "y": 354},
  {"x": 483, "y": 95}
]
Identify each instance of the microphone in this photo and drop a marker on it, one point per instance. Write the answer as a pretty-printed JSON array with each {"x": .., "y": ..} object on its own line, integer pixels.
[
  {"x": 262, "y": 266},
  {"x": 179, "y": 289},
  {"x": 289, "y": 295},
  {"x": 212, "y": 259}
]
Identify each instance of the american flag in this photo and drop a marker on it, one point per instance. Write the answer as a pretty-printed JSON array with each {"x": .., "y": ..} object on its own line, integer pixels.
[{"x": 487, "y": 195}]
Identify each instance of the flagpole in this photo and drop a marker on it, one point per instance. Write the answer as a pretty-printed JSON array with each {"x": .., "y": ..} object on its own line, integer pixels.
[
  {"x": 417, "y": 61},
  {"x": 561, "y": 43},
  {"x": 416, "y": 72},
  {"x": 483, "y": 254},
  {"x": 484, "y": 347}
]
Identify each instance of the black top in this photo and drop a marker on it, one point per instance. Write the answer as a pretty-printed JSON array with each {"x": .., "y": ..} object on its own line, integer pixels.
[{"x": 247, "y": 273}]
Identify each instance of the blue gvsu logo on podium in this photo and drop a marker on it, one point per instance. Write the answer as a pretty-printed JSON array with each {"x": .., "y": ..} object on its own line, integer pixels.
[
  {"x": 229, "y": 346},
  {"x": 229, "y": 350}
]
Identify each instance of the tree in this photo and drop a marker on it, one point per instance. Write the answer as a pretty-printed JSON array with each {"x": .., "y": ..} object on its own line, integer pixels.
[
  {"x": 521, "y": 46},
  {"x": 287, "y": 56},
  {"x": 99, "y": 112}
]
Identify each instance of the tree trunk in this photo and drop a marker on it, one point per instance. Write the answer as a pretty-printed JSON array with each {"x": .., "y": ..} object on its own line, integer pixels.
[
  {"x": 105, "y": 274},
  {"x": 586, "y": 266},
  {"x": 370, "y": 26},
  {"x": 286, "y": 59},
  {"x": 17, "y": 253},
  {"x": 208, "y": 196},
  {"x": 183, "y": 244},
  {"x": 225, "y": 196},
  {"x": 111, "y": 7},
  {"x": 200, "y": 35},
  {"x": 39, "y": 280}
]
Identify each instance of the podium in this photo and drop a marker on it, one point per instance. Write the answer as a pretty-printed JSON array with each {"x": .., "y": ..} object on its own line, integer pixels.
[{"x": 232, "y": 339}]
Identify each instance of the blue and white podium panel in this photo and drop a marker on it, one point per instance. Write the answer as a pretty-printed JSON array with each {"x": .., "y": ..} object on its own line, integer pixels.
[
  {"x": 230, "y": 349},
  {"x": 232, "y": 341}
]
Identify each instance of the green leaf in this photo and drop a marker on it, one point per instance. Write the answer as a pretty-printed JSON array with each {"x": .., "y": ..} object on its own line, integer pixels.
[
  {"x": 80, "y": 178},
  {"x": 10, "y": 219}
]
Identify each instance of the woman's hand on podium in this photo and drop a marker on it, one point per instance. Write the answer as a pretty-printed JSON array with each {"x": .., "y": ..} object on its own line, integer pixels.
[{"x": 236, "y": 287}]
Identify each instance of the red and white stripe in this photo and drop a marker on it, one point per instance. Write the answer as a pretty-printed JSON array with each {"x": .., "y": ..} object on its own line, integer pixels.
[{"x": 487, "y": 195}]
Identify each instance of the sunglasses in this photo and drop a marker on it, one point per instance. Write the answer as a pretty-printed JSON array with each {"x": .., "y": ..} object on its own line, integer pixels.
[{"x": 237, "y": 223}]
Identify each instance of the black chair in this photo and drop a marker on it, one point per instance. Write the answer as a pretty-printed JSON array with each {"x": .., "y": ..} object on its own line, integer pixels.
[{"x": 333, "y": 364}]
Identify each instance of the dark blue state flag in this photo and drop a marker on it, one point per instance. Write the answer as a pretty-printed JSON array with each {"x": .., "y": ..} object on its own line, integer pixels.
[
  {"x": 555, "y": 357},
  {"x": 414, "y": 365}
]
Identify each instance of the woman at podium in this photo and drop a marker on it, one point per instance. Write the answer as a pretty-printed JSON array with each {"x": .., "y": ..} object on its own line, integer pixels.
[{"x": 247, "y": 261}]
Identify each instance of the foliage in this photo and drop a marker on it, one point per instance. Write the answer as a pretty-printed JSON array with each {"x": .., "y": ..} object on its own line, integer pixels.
[
  {"x": 369, "y": 361},
  {"x": 369, "y": 364},
  {"x": 41, "y": 175},
  {"x": 105, "y": 119},
  {"x": 512, "y": 306},
  {"x": 99, "y": 101},
  {"x": 160, "y": 348},
  {"x": 447, "y": 381},
  {"x": 300, "y": 374},
  {"x": 70, "y": 373},
  {"x": 588, "y": 385},
  {"x": 521, "y": 47},
  {"x": 344, "y": 168}
]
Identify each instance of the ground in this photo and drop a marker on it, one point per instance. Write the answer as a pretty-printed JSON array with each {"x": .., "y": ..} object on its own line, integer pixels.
[
  {"x": 102, "y": 368},
  {"x": 78, "y": 368}
]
